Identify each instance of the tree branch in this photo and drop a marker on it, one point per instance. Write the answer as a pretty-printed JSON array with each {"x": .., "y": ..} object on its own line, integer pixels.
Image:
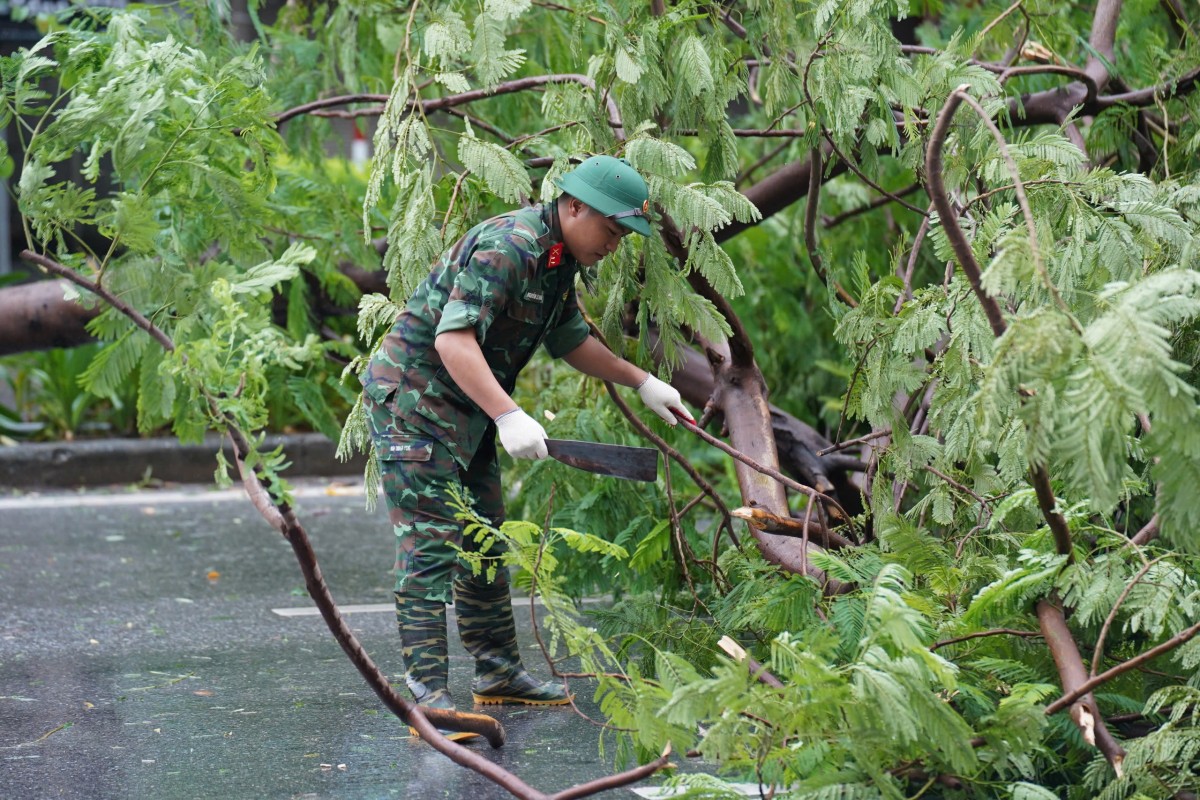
[
  {"x": 1098, "y": 652},
  {"x": 615, "y": 781},
  {"x": 810, "y": 228},
  {"x": 1075, "y": 692},
  {"x": 1147, "y": 96},
  {"x": 738, "y": 653},
  {"x": 946, "y": 215},
  {"x": 282, "y": 518},
  {"x": 1073, "y": 676},
  {"x": 1056, "y": 69},
  {"x": 981, "y": 634},
  {"x": 138, "y": 318},
  {"x": 1148, "y": 532},
  {"x": 790, "y": 526},
  {"x": 1046, "y": 502},
  {"x": 808, "y": 491},
  {"x": 449, "y": 101}
]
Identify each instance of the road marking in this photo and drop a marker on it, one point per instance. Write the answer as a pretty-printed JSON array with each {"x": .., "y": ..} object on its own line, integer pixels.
[
  {"x": 378, "y": 608},
  {"x": 154, "y": 497},
  {"x": 311, "y": 611},
  {"x": 662, "y": 792}
]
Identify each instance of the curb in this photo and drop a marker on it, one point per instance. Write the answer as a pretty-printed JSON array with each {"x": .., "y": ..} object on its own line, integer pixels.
[{"x": 103, "y": 462}]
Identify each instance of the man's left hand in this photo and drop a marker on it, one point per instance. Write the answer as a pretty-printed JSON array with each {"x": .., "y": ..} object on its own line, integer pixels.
[{"x": 663, "y": 399}]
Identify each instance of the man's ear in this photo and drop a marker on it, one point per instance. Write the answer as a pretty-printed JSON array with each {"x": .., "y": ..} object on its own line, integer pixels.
[{"x": 576, "y": 207}]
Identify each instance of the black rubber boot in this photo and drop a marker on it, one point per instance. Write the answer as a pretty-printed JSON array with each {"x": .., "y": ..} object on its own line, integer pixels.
[{"x": 489, "y": 633}]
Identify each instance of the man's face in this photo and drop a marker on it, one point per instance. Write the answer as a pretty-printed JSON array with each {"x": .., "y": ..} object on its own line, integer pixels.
[{"x": 588, "y": 235}]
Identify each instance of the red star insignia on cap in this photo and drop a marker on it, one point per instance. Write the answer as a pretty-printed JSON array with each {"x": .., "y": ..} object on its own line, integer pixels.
[{"x": 555, "y": 257}]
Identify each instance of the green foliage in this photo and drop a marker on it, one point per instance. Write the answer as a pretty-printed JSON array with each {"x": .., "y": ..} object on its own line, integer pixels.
[
  {"x": 199, "y": 207},
  {"x": 49, "y": 400}
]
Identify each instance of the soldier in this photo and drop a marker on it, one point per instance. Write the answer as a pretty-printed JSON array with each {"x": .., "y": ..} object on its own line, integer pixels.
[{"x": 438, "y": 391}]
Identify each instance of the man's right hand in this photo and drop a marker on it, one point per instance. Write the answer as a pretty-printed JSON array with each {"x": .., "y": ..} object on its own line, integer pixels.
[{"x": 521, "y": 435}]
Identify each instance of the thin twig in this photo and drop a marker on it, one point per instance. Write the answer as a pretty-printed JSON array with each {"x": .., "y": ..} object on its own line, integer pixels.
[
  {"x": 851, "y": 442},
  {"x": 983, "y": 501},
  {"x": 750, "y": 170},
  {"x": 981, "y": 634},
  {"x": 810, "y": 228},
  {"x": 40, "y": 739},
  {"x": 992, "y": 192},
  {"x": 911, "y": 267},
  {"x": 463, "y": 98},
  {"x": 1098, "y": 653},
  {"x": 988, "y": 28},
  {"x": 616, "y": 781},
  {"x": 1178, "y": 639},
  {"x": 672, "y": 453},
  {"x": 947, "y": 217},
  {"x": 557, "y": 7},
  {"x": 120, "y": 305},
  {"x": 1023, "y": 201},
  {"x": 833, "y": 222},
  {"x": 862, "y": 176},
  {"x": 808, "y": 491}
]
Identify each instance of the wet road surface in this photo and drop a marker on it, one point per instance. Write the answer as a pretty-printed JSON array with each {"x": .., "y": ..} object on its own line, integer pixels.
[{"x": 160, "y": 644}]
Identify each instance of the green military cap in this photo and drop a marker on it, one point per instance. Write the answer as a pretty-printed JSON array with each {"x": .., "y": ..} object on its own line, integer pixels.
[{"x": 612, "y": 187}]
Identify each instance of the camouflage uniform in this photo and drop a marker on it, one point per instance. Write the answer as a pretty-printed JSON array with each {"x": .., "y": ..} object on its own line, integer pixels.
[{"x": 507, "y": 280}]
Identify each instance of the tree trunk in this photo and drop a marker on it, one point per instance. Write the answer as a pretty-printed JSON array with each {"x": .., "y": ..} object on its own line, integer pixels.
[{"x": 35, "y": 316}]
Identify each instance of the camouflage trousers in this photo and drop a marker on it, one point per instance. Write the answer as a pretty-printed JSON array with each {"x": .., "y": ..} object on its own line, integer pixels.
[{"x": 418, "y": 473}]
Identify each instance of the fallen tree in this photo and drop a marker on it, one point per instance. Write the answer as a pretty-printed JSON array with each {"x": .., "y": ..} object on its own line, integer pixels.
[{"x": 1003, "y": 302}]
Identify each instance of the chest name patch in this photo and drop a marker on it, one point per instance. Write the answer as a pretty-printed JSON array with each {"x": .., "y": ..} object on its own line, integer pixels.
[{"x": 534, "y": 296}]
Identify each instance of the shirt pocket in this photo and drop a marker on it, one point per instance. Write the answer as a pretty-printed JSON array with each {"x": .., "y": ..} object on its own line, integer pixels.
[
  {"x": 530, "y": 307},
  {"x": 403, "y": 447}
]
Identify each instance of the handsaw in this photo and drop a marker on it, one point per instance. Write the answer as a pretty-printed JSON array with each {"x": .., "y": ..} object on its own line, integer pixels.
[{"x": 619, "y": 461}]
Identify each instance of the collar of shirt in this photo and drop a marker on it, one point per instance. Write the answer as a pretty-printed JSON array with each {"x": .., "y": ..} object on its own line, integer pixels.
[{"x": 549, "y": 216}]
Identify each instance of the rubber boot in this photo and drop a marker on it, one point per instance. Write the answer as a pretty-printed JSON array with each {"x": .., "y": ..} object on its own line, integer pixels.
[
  {"x": 422, "y": 626},
  {"x": 489, "y": 633}
]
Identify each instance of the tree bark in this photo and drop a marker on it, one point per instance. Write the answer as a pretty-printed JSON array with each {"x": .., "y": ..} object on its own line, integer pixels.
[
  {"x": 1073, "y": 674},
  {"x": 35, "y": 316},
  {"x": 796, "y": 442}
]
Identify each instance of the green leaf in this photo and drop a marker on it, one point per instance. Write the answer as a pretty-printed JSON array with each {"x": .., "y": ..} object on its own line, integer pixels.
[
  {"x": 1029, "y": 791},
  {"x": 652, "y": 547},
  {"x": 503, "y": 172},
  {"x": 446, "y": 36},
  {"x": 271, "y": 273}
]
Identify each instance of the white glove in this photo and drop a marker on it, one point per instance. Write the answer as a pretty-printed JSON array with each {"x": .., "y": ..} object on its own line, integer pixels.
[
  {"x": 521, "y": 435},
  {"x": 662, "y": 399}
]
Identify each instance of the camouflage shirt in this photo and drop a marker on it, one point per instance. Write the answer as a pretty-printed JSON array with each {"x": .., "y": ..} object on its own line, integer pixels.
[{"x": 505, "y": 279}]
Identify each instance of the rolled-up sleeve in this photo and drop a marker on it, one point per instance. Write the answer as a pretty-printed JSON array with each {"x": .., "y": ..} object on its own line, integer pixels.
[{"x": 482, "y": 286}]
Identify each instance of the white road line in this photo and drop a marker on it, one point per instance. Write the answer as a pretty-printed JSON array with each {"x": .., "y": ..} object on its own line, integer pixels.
[
  {"x": 311, "y": 611},
  {"x": 662, "y": 792},
  {"x": 153, "y": 497}
]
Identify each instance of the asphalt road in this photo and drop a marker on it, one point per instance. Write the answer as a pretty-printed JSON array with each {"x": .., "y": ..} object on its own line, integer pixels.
[{"x": 160, "y": 644}]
